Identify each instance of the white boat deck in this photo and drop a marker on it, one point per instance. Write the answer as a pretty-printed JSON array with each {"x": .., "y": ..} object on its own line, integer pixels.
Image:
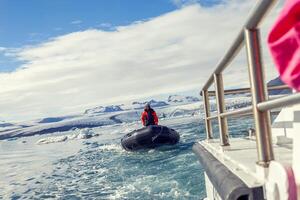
[{"x": 241, "y": 156}]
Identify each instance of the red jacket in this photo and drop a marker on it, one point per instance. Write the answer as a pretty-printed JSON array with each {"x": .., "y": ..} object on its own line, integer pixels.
[{"x": 144, "y": 117}]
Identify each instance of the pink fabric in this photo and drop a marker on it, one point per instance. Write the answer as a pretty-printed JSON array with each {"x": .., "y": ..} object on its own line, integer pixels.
[
  {"x": 292, "y": 183},
  {"x": 284, "y": 43}
]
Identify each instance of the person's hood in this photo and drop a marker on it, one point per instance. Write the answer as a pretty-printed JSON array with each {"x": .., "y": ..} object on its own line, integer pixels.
[{"x": 150, "y": 109}]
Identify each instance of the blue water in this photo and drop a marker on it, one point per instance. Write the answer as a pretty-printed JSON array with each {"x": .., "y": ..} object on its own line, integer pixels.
[{"x": 99, "y": 168}]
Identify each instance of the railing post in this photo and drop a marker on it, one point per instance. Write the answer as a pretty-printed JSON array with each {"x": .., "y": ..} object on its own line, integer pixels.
[
  {"x": 207, "y": 114},
  {"x": 259, "y": 94},
  {"x": 223, "y": 127}
]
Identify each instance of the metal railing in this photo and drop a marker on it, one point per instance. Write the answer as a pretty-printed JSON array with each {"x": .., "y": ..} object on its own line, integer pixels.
[
  {"x": 247, "y": 90},
  {"x": 261, "y": 106}
]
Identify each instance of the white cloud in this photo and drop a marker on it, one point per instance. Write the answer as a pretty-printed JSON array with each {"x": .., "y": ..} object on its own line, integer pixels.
[
  {"x": 170, "y": 53},
  {"x": 182, "y": 3},
  {"x": 9, "y": 52},
  {"x": 34, "y": 34},
  {"x": 76, "y": 22},
  {"x": 58, "y": 29},
  {"x": 105, "y": 25}
]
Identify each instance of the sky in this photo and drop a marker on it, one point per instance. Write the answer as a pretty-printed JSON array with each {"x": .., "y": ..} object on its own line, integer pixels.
[{"x": 61, "y": 57}]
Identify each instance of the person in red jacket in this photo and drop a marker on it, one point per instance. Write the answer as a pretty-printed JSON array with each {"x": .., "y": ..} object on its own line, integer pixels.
[{"x": 149, "y": 116}]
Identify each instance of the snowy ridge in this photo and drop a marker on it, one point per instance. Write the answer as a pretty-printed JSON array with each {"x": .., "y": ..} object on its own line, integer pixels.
[
  {"x": 117, "y": 108},
  {"x": 182, "y": 99},
  {"x": 275, "y": 82},
  {"x": 5, "y": 124},
  {"x": 103, "y": 109},
  {"x": 153, "y": 103}
]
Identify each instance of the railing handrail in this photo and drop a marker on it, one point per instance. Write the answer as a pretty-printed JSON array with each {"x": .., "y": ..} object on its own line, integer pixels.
[
  {"x": 279, "y": 102},
  {"x": 253, "y": 21},
  {"x": 246, "y": 111},
  {"x": 247, "y": 90}
]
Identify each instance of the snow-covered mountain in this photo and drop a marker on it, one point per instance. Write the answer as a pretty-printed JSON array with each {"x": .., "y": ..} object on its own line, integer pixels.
[
  {"x": 182, "y": 99},
  {"x": 111, "y": 115},
  {"x": 118, "y": 108},
  {"x": 5, "y": 124},
  {"x": 137, "y": 105},
  {"x": 103, "y": 109},
  {"x": 153, "y": 103},
  {"x": 275, "y": 82}
]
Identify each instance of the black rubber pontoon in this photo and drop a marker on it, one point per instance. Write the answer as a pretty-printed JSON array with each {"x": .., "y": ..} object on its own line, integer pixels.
[
  {"x": 227, "y": 184},
  {"x": 149, "y": 137}
]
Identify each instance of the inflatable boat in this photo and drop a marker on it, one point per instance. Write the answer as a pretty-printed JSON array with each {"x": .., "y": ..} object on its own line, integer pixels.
[{"x": 149, "y": 137}]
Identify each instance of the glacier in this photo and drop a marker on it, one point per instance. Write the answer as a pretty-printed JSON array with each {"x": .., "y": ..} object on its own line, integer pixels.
[{"x": 177, "y": 106}]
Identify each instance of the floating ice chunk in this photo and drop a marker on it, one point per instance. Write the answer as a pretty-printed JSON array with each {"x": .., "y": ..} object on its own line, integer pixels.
[
  {"x": 72, "y": 136},
  {"x": 112, "y": 147},
  {"x": 85, "y": 133},
  {"x": 56, "y": 139}
]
